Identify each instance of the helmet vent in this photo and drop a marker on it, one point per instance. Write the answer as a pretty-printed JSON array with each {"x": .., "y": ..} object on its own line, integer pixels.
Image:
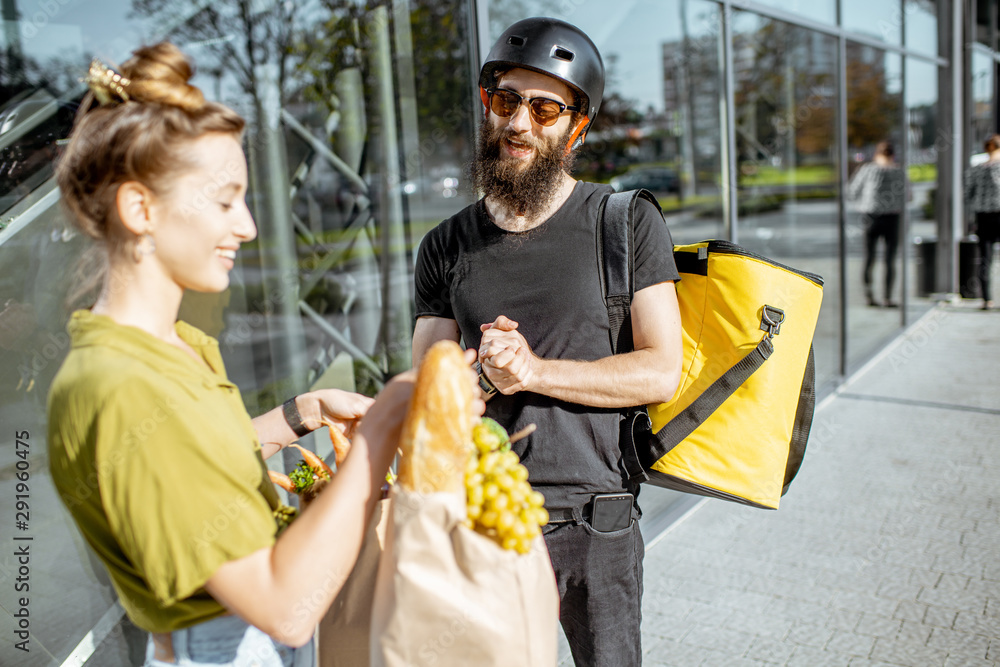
[
  {"x": 560, "y": 53},
  {"x": 514, "y": 40}
]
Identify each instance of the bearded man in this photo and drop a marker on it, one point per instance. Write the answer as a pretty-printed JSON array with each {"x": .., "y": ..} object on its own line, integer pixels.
[{"x": 516, "y": 276}]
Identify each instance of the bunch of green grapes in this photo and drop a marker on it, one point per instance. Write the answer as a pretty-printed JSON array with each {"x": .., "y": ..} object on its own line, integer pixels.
[{"x": 500, "y": 501}]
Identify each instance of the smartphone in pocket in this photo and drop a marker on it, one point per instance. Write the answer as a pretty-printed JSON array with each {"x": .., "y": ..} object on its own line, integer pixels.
[{"x": 611, "y": 511}]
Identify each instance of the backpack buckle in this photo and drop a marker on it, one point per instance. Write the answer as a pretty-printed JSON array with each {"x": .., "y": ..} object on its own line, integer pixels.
[{"x": 771, "y": 319}]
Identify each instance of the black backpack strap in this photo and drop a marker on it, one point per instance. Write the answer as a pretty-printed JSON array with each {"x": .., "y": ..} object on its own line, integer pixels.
[
  {"x": 616, "y": 260},
  {"x": 684, "y": 423}
]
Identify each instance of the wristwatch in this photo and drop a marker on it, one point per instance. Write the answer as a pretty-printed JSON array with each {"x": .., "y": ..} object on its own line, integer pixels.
[
  {"x": 294, "y": 418},
  {"x": 484, "y": 382}
]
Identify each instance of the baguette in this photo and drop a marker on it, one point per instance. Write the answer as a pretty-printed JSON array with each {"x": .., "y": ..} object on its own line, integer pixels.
[{"x": 436, "y": 441}]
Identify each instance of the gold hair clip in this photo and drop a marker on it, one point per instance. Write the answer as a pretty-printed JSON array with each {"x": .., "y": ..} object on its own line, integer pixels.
[{"x": 105, "y": 82}]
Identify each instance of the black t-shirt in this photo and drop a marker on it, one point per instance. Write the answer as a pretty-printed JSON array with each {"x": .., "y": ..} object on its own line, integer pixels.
[{"x": 547, "y": 280}]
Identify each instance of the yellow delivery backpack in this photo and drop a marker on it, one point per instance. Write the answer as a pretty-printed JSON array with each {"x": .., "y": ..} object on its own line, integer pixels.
[{"x": 737, "y": 426}]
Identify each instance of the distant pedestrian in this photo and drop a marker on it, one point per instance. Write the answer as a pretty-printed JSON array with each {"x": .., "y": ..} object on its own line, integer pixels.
[
  {"x": 982, "y": 194},
  {"x": 879, "y": 187}
]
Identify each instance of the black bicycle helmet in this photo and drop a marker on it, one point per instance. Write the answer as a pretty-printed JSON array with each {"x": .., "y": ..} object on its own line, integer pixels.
[{"x": 552, "y": 47}]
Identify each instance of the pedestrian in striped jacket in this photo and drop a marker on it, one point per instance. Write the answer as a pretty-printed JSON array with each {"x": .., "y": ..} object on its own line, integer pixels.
[
  {"x": 982, "y": 195},
  {"x": 879, "y": 188}
]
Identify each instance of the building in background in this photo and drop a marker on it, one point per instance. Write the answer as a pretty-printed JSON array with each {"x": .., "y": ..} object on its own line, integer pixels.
[{"x": 746, "y": 118}]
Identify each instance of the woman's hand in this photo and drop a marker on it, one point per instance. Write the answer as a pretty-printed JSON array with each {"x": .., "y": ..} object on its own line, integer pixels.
[{"x": 335, "y": 406}]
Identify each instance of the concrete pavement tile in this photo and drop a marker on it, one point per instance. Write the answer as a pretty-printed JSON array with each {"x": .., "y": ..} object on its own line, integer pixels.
[
  {"x": 970, "y": 601},
  {"x": 878, "y": 626},
  {"x": 674, "y": 631},
  {"x": 962, "y": 661},
  {"x": 770, "y": 650},
  {"x": 994, "y": 652},
  {"x": 809, "y": 634},
  {"x": 960, "y": 643},
  {"x": 843, "y": 619},
  {"x": 707, "y": 614},
  {"x": 993, "y": 608},
  {"x": 762, "y": 624},
  {"x": 991, "y": 571},
  {"x": 909, "y": 558},
  {"x": 807, "y": 656},
  {"x": 964, "y": 566},
  {"x": 746, "y": 600},
  {"x": 962, "y": 523},
  {"x": 726, "y": 640},
  {"x": 796, "y": 609},
  {"x": 865, "y": 662},
  {"x": 806, "y": 592},
  {"x": 850, "y": 643},
  {"x": 895, "y": 590},
  {"x": 983, "y": 540},
  {"x": 917, "y": 633},
  {"x": 925, "y": 578},
  {"x": 953, "y": 582},
  {"x": 978, "y": 624},
  {"x": 906, "y": 653},
  {"x": 941, "y": 617},
  {"x": 862, "y": 602},
  {"x": 670, "y": 653},
  {"x": 910, "y": 611}
]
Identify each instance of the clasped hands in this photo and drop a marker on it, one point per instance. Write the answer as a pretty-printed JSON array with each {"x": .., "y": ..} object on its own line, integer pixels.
[{"x": 506, "y": 357}]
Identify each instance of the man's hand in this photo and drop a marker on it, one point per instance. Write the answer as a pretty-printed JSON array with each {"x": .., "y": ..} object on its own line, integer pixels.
[{"x": 506, "y": 357}]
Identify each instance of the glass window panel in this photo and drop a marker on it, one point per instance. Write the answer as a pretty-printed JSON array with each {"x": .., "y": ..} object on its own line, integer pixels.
[
  {"x": 923, "y": 159},
  {"x": 823, "y": 11},
  {"x": 881, "y": 19},
  {"x": 874, "y": 99},
  {"x": 349, "y": 167},
  {"x": 659, "y": 126},
  {"x": 983, "y": 101},
  {"x": 922, "y": 26},
  {"x": 983, "y": 30},
  {"x": 787, "y": 183}
]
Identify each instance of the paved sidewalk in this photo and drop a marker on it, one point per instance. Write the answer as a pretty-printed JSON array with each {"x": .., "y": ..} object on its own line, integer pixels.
[{"x": 885, "y": 551}]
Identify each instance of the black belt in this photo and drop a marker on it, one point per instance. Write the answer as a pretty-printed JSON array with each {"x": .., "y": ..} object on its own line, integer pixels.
[
  {"x": 578, "y": 514},
  {"x": 567, "y": 514}
]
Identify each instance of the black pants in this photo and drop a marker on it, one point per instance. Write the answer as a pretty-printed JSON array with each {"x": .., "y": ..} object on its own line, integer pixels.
[
  {"x": 988, "y": 231},
  {"x": 886, "y": 226},
  {"x": 600, "y": 592}
]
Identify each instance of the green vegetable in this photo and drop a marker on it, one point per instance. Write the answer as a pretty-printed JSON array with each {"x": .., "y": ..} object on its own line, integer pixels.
[{"x": 302, "y": 477}]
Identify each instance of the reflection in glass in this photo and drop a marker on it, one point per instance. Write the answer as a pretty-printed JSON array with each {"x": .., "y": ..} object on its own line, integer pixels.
[
  {"x": 787, "y": 176},
  {"x": 982, "y": 85},
  {"x": 659, "y": 126},
  {"x": 349, "y": 166},
  {"x": 822, "y": 11},
  {"x": 922, "y": 26},
  {"x": 924, "y": 150},
  {"x": 881, "y": 19},
  {"x": 877, "y": 195}
]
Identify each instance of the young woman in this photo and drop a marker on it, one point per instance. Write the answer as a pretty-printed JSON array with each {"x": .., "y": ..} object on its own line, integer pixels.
[
  {"x": 982, "y": 194},
  {"x": 151, "y": 448}
]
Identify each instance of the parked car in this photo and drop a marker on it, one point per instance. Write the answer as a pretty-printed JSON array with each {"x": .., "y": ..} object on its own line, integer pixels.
[{"x": 654, "y": 179}]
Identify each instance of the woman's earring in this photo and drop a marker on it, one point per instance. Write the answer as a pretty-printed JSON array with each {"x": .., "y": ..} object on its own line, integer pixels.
[{"x": 144, "y": 246}]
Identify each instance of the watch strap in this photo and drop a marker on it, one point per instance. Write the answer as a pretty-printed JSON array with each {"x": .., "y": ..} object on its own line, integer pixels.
[
  {"x": 293, "y": 418},
  {"x": 485, "y": 385}
]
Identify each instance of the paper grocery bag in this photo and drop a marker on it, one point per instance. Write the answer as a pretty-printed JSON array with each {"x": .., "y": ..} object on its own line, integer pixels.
[
  {"x": 448, "y": 596},
  {"x": 344, "y": 631}
]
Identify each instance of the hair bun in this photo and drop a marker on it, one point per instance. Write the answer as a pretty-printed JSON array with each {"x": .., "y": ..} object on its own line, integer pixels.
[{"x": 160, "y": 74}]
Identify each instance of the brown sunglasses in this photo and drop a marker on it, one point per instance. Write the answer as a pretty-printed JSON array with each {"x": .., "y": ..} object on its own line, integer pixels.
[{"x": 543, "y": 111}]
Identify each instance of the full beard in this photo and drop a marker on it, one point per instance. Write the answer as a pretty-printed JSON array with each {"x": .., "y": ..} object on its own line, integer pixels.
[{"x": 522, "y": 190}]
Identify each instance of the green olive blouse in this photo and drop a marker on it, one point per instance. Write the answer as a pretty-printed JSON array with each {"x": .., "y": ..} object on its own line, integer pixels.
[{"x": 158, "y": 462}]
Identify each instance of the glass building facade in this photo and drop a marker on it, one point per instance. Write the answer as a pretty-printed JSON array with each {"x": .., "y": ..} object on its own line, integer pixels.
[{"x": 747, "y": 119}]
